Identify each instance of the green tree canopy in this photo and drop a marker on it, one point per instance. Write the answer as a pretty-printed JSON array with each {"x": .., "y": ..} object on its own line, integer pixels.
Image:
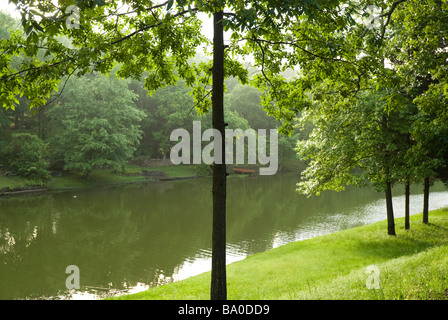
[
  {"x": 98, "y": 123},
  {"x": 25, "y": 156},
  {"x": 358, "y": 144}
]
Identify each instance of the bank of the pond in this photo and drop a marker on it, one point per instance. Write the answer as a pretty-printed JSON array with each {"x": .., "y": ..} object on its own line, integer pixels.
[
  {"x": 131, "y": 174},
  {"x": 411, "y": 265}
]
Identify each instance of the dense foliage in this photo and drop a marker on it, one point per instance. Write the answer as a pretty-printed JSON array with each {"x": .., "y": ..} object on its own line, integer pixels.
[
  {"x": 25, "y": 156},
  {"x": 96, "y": 124},
  {"x": 380, "y": 116},
  {"x": 96, "y": 121}
]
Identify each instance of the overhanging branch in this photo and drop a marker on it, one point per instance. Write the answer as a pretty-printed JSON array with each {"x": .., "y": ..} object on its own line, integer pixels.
[
  {"x": 294, "y": 44},
  {"x": 389, "y": 15},
  {"x": 135, "y": 11},
  {"x": 151, "y": 26}
]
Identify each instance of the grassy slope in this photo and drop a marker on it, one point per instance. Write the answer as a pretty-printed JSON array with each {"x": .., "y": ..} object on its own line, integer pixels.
[{"x": 412, "y": 265}]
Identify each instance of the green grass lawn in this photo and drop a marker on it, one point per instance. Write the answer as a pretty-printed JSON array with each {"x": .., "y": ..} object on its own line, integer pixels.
[{"x": 411, "y": 265}]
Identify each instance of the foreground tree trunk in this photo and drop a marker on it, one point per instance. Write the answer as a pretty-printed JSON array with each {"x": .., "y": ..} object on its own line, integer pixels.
[
  {"x": 218, "y": 281},
  {"x": 426, "y": 201},
  {"x": 407, "y": 224},
  {"x": 390, "y": 210}
]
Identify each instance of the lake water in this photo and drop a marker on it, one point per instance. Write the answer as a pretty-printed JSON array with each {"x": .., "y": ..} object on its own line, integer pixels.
[{"x": 130, "y": 237}]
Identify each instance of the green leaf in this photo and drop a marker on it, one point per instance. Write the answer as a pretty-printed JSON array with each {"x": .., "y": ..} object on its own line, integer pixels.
[
  {"x": 37, "y": 26},
  {"x": 169, "y": 5},
  {"x": 29, "y": 29}
]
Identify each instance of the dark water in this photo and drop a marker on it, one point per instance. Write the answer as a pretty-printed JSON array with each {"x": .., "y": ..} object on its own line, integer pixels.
[{"x": 134, "y": 236}]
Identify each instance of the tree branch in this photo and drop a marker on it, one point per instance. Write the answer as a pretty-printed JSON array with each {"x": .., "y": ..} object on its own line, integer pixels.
[
  {"x": 150, "y": 27},
  {"x": 294, "y": 44},
  {"x": 6, "y": 77},
  {"x": 389, "y": 15},
  {"x": 202, "y": 99},
  {"x": 257, "y": 41},
  {"x": 56, "y": 96},
  {"x": 130, "y": 12}
]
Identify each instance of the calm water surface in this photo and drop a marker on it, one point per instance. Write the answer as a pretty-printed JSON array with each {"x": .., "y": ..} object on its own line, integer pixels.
[{"x": 134, "y": 236}]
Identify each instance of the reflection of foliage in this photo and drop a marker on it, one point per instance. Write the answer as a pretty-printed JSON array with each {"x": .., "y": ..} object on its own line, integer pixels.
[
  {"x": 121, "y": 236},
  {"x": 116, "y": 237},
  {"x": 25, "y": 220}
]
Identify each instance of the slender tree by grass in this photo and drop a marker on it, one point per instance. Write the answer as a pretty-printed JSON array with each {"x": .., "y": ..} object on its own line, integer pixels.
[
  {"x": 402, "y": 55},
  {"x": 358, "y": 144}
]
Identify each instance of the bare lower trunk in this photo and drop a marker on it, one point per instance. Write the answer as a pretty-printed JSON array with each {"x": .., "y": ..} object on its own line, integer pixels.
[
  {"x": 407, "y": 224},
  {"x": 218, "y": 281},
  {"x": 426, "y": 201},
  {"x": 390, "y": 211}
]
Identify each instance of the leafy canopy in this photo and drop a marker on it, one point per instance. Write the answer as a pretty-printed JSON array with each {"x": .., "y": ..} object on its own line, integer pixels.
[
  {"x": 25, "y": 156},
  {"x": 160, "y": 37},
  {"x": 100, "y": 125}
]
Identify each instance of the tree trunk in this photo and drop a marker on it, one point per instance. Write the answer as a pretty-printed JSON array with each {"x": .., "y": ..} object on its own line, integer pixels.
[
  {"x": 218, "y": 281},
  {"x": 41, "y": 120},
  {"x": 426, "y": 200},
  {"x": 390, "y": 210},
  {"x": 406, "y": 213}
]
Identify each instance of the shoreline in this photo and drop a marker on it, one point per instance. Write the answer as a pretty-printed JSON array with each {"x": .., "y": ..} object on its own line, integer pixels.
[
  {"x": 412, "y": 265},
  {"x": 133, "y": 172},
  {"x": 39, "y": 189},
  {"x": 23, "y": 191},
  {"x": 104, "y": 177}
]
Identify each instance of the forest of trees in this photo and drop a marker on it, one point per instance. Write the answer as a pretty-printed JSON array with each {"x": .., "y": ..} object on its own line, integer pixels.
[{"x": 98, "y": 121}]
